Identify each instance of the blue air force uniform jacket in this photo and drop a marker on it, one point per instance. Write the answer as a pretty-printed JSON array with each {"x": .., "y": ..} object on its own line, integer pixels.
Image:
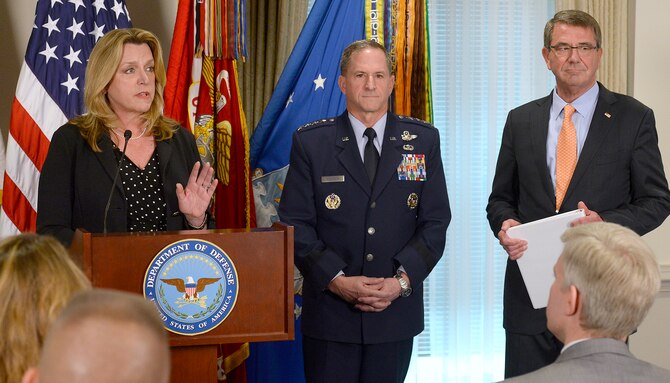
[{"x": 344, "y": 223}]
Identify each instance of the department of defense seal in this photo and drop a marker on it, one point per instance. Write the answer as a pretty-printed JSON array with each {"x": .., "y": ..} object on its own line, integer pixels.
[{"x": 193, "y": 284}]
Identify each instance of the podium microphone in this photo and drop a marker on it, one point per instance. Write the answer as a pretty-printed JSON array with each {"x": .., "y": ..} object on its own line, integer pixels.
[{"x": 126, "y": 137}]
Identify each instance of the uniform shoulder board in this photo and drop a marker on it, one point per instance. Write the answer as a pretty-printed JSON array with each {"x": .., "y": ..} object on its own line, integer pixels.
[
  {"x": 416, "y": 121},
  {"x": 316, "y": 124}
]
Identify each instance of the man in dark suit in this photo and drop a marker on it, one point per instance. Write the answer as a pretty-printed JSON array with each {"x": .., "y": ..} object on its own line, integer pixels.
[
  {"x": 606, "y": 281},
  {"x": 608, "y": 164},
  {"x": 367, "y": 196}
]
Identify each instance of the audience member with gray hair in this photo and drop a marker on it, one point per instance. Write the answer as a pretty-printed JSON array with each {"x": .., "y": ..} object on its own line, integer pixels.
[
  {"x": 104, "y": 336},
  {"x": 606, "y": 281}
]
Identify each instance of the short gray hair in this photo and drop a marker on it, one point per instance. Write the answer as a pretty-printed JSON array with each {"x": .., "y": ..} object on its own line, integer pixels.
[
  {"x": 572, "y": 17},
  {"x": 358, "y": 46},
  {"x": 616, "y": 273}
]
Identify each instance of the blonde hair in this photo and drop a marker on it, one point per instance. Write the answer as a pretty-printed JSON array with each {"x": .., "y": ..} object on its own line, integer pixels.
[
  {"x": 616, "y": 273},
  {"x": 37, "y": 279},
  {"x": 100, "y": 70}
]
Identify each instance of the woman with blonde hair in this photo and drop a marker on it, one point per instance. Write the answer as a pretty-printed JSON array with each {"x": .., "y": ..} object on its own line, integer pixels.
[
  {"x": 161, "y": 184},
  {"x": 37, "y": 279}
]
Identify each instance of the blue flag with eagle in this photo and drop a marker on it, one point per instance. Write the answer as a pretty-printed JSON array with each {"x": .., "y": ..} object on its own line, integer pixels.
[{"x": 306, "y": 91}]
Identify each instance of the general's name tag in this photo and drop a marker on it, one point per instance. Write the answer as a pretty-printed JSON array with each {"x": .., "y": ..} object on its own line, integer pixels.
[
  {"x": 412, "y": 168},
  {"x": 330, "y": 179}
]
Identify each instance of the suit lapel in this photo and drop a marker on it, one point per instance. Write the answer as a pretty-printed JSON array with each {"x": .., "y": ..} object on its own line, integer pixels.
[
  {"x": 349, "y": 156},
  {"x": 108, "y": 159},
  {"x": 164, "y": 150},
  {"x": 539, "y": 124},
  {"x": 600, "y": 127}
]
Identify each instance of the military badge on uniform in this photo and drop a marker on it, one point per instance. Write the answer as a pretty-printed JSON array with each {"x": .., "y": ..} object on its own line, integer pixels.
[
  {"x": 333, "y": 201},
  {"x": 408, "y": 147},
  {"x": 408, "y": 137},
  {"x": 412, "y": 168},
  {"x": 412, "y": 201}
]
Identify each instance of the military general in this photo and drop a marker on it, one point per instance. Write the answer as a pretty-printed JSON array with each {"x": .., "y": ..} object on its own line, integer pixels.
[{"x": 367, "y": 196}]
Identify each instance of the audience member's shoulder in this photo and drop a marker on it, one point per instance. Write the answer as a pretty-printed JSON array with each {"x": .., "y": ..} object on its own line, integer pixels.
[
  {"x": 662, "y": 373},
  {"x": 314, "y": 125}
]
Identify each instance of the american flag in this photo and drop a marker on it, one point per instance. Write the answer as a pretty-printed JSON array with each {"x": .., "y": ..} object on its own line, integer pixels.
[{"x": 48, "y": 93}]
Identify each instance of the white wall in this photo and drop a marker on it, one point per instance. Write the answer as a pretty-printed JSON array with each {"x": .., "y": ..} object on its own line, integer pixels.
[
  {"x": 651, "y": 86},
  {"x": 651, "y": 76},
  {"x": 651, "y": 79}
]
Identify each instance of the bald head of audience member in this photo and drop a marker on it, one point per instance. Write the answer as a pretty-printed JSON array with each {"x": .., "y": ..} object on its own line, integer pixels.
[
  {"x": 105, "y": 336},
  {"x": 606, "y": 280}
]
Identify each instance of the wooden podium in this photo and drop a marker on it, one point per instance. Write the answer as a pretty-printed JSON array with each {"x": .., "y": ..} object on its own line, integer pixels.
[{"x": 263, "y": 259}]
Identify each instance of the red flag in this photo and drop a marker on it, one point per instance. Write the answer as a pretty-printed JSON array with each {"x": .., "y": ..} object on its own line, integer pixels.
[
  {"x": 233, "y": 207},
  {"x": 180, "y": 66},
  {"x": 2, "y": 165}
]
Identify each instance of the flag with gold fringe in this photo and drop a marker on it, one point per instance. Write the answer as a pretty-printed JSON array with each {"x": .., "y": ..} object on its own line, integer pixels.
[
  {"x": 409, "y": 48},
  {"x": 202, "y": 93}
]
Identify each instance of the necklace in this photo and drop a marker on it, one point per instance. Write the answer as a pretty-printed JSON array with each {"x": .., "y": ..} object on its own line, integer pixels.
[{"x": 131, "y": 138}]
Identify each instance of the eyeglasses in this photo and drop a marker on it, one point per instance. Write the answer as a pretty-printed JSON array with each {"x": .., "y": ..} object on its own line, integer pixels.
[{"x": 565, "y": 50}]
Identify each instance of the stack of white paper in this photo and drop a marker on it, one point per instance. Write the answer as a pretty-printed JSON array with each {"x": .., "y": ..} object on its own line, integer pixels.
[{"x": 544, "y": 248}]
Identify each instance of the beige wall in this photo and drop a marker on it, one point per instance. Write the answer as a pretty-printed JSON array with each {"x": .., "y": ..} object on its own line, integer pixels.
[
  {"x": 651, "y": 85},
  {"x": 651, "y": 76}
]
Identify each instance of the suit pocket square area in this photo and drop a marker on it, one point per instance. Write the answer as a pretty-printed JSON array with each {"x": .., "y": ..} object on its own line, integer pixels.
[{"x": 331, "y": 179}]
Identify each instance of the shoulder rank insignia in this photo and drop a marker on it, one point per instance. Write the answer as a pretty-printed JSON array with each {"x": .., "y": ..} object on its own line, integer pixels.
[{"x": 316, "y": 123}]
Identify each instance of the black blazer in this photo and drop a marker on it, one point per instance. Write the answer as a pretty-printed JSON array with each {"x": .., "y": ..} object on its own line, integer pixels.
[
  {"x": 370, "y": 231},
  {"x": 619, "y": 175},
  {"x": 75, "y": 183}
]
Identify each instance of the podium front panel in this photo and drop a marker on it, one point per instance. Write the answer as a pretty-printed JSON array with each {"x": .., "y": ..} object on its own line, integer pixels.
[{"x": 263, "y": 259}]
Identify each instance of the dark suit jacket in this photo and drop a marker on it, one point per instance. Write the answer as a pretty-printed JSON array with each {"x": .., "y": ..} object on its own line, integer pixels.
[
  {"x": 75, "y": 183},
  {"x": 372, "y": 232},
  {"x": 619, "y": 174},
  {"x": 601, "y": 360}
]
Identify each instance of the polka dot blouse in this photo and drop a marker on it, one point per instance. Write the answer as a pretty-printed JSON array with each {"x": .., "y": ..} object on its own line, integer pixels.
[{"x": 144, "y": 195}]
